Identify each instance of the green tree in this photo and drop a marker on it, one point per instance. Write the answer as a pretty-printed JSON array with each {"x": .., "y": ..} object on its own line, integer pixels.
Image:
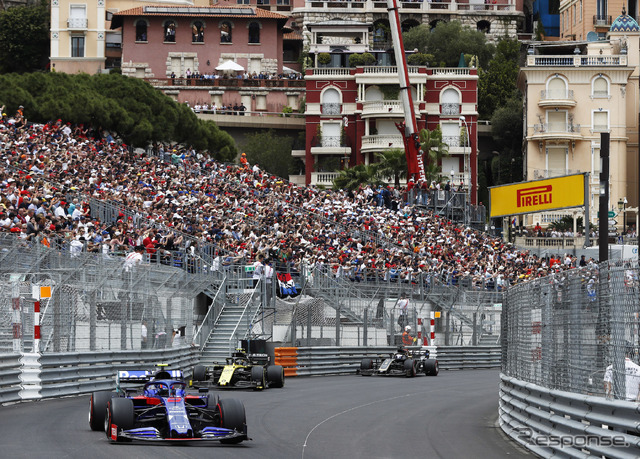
[
  {"x": 270, "y": 152},
  {"x": 392, "y": 163},
  {"x": 447, "y": 41},
  {"x": 24, "y": 38},
  {"x": 129, "y": 107},
  {"x": 506, "y": 128},
  {"x": 497, "y": 81},
  {"x": 433, "y": 147},
  {"x": 353, "y": 177}
]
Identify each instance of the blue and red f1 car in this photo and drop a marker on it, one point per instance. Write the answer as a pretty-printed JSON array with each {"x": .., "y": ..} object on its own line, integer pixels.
[{"x": 157, "y": 407}]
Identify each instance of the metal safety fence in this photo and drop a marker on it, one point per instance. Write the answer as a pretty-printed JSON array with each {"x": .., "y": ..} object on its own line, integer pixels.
[
  {"x": 570, "y": 346},
  {"x": 53, "y": 301},
  {"x": 32, "y": 376}
]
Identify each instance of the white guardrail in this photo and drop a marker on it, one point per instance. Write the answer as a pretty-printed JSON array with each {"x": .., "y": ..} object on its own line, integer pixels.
[
  {"x": 553, "y": 423},
  {"x": 30, "y": 376}
]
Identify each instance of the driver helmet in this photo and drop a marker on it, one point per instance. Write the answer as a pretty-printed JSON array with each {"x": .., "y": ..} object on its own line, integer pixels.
[{"x": 407, "y": 328}]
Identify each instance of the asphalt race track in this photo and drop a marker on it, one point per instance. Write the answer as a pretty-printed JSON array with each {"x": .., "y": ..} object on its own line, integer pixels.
[{"x": 452, "y": 415}]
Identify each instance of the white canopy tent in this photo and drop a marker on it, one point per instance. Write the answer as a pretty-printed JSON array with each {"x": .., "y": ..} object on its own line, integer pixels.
[
  {"x": 230, "y": 65},
  {"x": 286, "y": 69}
]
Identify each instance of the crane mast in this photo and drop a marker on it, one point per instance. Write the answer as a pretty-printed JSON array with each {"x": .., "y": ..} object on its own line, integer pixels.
[{"x": 409, "y": 128}]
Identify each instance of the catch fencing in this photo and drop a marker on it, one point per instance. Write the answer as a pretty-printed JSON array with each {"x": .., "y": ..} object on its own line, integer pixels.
[
  {"x": 569, "y": 361},
  {"x": 92, "y": 303}
]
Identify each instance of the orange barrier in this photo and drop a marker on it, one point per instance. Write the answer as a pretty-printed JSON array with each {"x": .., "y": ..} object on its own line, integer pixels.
[{"x": 288, "y": 358}]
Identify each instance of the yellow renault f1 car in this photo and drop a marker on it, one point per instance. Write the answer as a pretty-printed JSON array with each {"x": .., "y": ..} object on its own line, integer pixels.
[{"x": 241, "y": 371}]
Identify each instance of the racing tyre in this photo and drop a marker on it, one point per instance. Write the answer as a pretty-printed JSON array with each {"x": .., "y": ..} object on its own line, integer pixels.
[
  {"x": 366, "y": 364},
  {"x": 431, "y": 367},
  {"x": 98, "y": 409},
  {"x": 410, "y": 368},
  {"x": 232, "y": 416},
  {"x": 199, "y": 373},
  {"x": 257, "y": 377},
  {"x": 275, "y": 376},
  {"x": 120, "y": 416}
]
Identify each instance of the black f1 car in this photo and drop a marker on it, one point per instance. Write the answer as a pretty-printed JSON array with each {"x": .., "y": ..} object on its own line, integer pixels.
[
  {"x": 157, "y": 407},
  {"x": 403, "y": 362},
  {"x": 241, "y": 370}
]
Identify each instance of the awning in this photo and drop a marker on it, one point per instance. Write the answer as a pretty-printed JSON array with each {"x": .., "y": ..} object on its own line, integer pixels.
[{"x": 230, "y": 65}]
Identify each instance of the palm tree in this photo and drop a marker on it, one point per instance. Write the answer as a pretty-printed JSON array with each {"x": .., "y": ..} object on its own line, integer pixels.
[
  {"x": 434, "y": 150},
  {"x": 393, "y": 163},
  {"x": 352, "y": 177}
]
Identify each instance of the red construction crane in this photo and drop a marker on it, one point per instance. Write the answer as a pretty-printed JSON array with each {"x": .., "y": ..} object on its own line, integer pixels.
[{"x": 408, "y": 128}]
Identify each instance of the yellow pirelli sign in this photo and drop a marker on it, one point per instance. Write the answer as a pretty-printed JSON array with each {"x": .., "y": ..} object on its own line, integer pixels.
[{"x": 537, "y": 196}]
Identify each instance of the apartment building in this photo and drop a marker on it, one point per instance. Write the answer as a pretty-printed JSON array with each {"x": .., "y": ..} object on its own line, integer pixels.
[{"x": 573, "y": 92}]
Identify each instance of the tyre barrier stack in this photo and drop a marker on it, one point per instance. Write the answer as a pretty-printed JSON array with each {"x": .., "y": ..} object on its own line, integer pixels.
[
  {"x": 331, "y": 360},
  {"x": 554, "y": 423},
  {"x": 34, "y": 376}
]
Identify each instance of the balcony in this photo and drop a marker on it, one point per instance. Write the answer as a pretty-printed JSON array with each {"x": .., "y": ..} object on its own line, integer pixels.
[
  {"x": 557, "y": 98},
  {"x": 449, "y": 109},
  {"x": 332, "y": 108},
  {"x": 331, "y": 145},
  {"x": 576, "y": 61},
  {"x": 408, "y": 7},
  {"x": 323, "y": 178},
  {"x": 559, "y": 131},
  {"x": 382, "y": 108},
  {"x": 227, "y": 82},
  {"x": 381, "y": 142},
  {"x": 77, "y": 23},
  {"x": 601, "y": 20}
]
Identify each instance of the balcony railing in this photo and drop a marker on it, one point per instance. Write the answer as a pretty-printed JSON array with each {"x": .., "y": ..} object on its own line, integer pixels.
[
  {"x": 380, "y": 107},
  {"x": 235, "y": 82},
  {"x": 388, "y": 69},
  {"x": 382, "y": 141},
  {"x": 413, "y": 6},
  {"x": 323, "y": 178},
  {"x": 601, "y": 20},
  {"x": 548, "y": 173},
  {"x": 331, "y": 141},
  {"x": 576, "y": 61},
  {"x": 553, "y": 94},
  {"x": 452, "y": 140},
  {"x": 556, "y": 128},
  {"x": 451, "y": 71},
  {"x": 77, "y": 23},
  {"x": 450, "y": 108},
  {"x": 331, "y": 108}
]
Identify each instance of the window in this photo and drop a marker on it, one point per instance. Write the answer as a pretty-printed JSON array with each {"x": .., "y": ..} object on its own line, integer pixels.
[
  {"x": 451, "y": 134},
  {"x": 77, "y": 46},
  {"x": 330, "y": 134},
  {"x": 600, "y": 87},
  {"x": 243, "y": 2},
  {"x": 331, "y": 102},
  {"x": 556, "y": 88},
  {"x": 595, "y": 161},
  {"x": 484, "y": 26},
  {"x": 556, "y": 121},
  {"x": 600, "y": 121},
  {"x": 557, "y": 160},
  {"x": 77, "y": 17},
  {"x": 450, "y": 102},
  {"x": 170, "y": 32},
  {"x": 197, "y": 32},
  {"x": 254, "y": 32},
  {"x": 225, "y": 32},
  {"x": 141, "y": 30}
]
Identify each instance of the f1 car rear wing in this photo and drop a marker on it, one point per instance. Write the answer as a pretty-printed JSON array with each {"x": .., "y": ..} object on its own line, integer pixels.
[{"x": 144, "y": 376}]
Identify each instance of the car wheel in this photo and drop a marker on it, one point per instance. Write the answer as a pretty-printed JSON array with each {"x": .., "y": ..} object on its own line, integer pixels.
[
  {"x": 366, "y": 364},
  {"x": 199, "y": 373},
  {"x": 120, "y": 416},
  {"x": 257, "y": 377},
  {"x": 232, "y": 416},
  {"x": 431, "y": 367},
  {"x": 98, "y": 409},
  {"x": 410, "y": 368},
  {"x": 275, "y": 376}
]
